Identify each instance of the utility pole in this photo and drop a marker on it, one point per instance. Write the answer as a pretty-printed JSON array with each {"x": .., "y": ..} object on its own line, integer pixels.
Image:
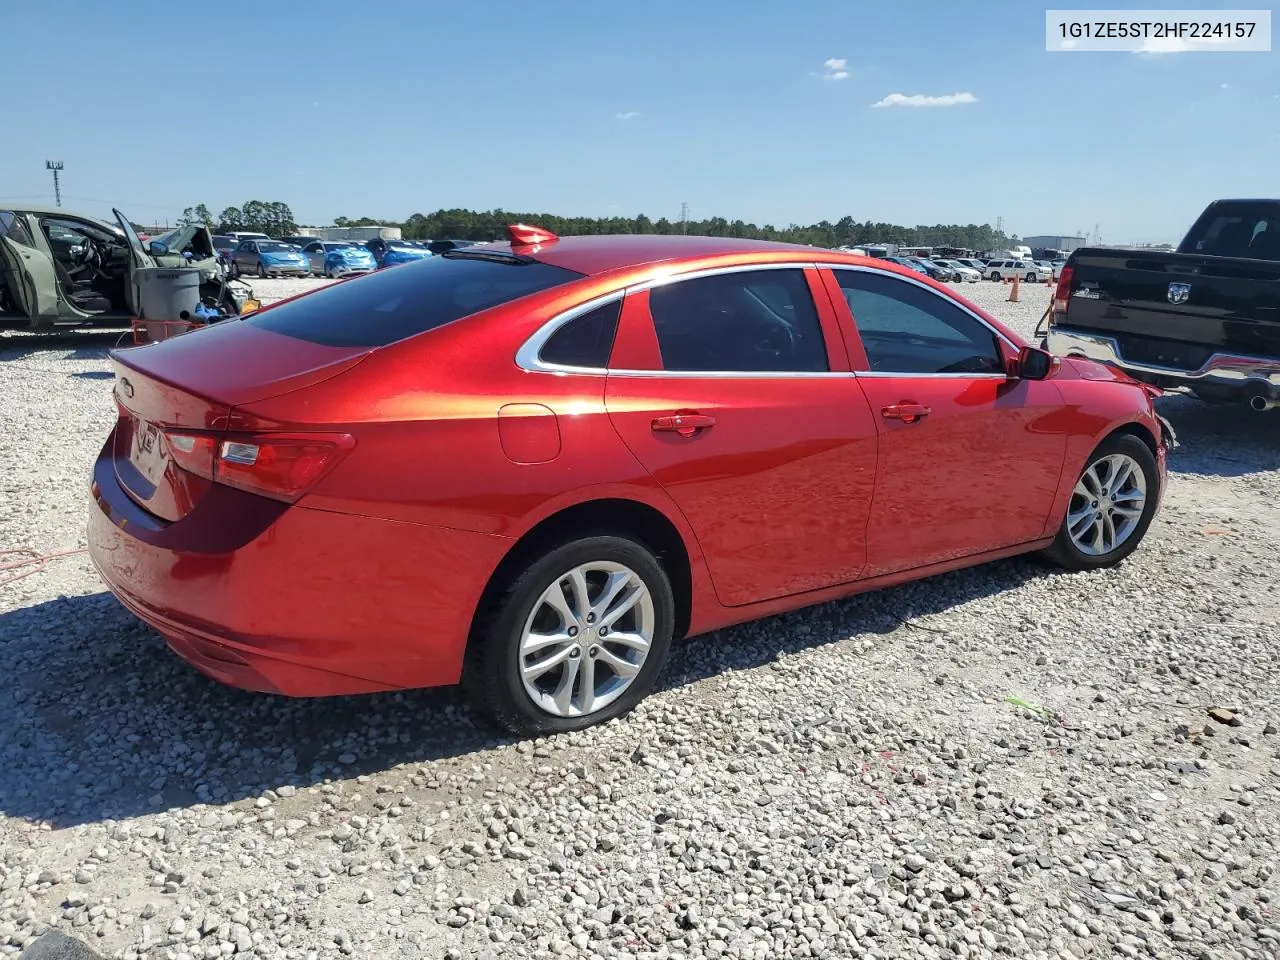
[
  {"x": 684, "y": 217},
  {"x": 56, "y": 167}
]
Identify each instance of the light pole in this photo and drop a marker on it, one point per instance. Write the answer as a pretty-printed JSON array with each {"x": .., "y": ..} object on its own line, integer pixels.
[{"x": 56, "y": 167}]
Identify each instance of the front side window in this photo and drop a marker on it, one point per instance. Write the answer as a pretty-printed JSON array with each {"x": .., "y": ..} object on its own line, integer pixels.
[
  {"x": 12, "y": 226},
  {"x": 907, "y": 329},
  {"x": 748, "y": 321}
]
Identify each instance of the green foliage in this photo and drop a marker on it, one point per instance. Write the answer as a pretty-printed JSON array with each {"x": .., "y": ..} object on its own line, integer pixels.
[
  {"x": 276, "y": 219},
  {"x": 273, "y": 219}
]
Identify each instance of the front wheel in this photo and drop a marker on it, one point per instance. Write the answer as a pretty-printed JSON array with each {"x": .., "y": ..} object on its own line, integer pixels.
[
  {"x": 575, "y": 639},
  {"x": 1032, "y": 278},
  {"x": 994, "y": 276},
  {"x": 1111, "y": 506}
]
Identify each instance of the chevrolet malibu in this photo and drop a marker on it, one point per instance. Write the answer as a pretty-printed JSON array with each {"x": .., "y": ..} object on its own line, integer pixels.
[{"x": 529, "y": 467}]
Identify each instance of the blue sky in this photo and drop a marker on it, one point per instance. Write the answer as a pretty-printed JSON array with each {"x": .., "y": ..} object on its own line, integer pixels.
[{"x": 577, "y": 108}]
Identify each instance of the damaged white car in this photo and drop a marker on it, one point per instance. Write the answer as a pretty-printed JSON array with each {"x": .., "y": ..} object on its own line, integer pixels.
[{"x": 59, "y": 268}]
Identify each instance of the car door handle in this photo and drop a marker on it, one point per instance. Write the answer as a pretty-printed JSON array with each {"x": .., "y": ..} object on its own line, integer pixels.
[
  {"x": 906, "y": 412},
  {"x": 685, "y": 424}
]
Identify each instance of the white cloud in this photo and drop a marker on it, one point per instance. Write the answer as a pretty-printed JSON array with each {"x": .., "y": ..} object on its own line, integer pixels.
[
  {"x": 1156, "y": 46},
  {"x": 835, "y": 68},
  {"x": 629, "y": 115},
  {"x": 920, "y": 100}
]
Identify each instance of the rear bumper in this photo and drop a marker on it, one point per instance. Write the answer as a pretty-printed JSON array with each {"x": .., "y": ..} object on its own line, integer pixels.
[
  {"x": 1248, "y": 375},
  {"x": 290, "y": 600}
]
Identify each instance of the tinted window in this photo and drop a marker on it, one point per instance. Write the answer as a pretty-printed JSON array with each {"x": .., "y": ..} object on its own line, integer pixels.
[
  {"x": 755, "y": 321},
  {"x": 11, "y": 226},
  {"x": 390, "y": 305},
  {"x": 907, "y": 329},
  {"x": 585, "y": 341}
]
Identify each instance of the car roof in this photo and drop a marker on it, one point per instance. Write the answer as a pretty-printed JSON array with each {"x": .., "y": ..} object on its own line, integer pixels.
[
  {"x": 596, "y": 254},
  {"x": 57, "y": 212}
]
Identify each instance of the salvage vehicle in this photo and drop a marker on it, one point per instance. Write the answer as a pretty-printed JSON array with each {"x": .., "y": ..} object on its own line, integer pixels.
[
  {"x": 1203, "y": 319},
  {"x": 531, "y": 466},
  {"x": 391, "y": 253},
  {"x": 338, "y": 258},
  {"x": 268, "y": 258},
  {"x": 59, "y": 268}
]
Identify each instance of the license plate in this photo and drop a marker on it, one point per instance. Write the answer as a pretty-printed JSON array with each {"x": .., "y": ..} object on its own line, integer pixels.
[{"x": 148, "y": 452}]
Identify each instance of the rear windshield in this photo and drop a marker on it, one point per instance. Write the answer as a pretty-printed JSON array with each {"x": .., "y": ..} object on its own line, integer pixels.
[
  {"x": 390, "y": 305},
  {"x": 1250, "y": 230}
]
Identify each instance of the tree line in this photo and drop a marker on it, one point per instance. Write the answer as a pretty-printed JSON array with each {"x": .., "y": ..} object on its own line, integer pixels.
[{"x": 276, "y": 219}]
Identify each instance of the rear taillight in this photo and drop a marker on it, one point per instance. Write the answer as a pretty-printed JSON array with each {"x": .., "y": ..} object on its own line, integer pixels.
[
  {"x": 279, "y": 466},
  {"x": 1063, "y": 291}
]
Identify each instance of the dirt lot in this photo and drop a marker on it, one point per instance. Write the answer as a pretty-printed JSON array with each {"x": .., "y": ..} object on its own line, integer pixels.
[{"x": 850, "y": 780}]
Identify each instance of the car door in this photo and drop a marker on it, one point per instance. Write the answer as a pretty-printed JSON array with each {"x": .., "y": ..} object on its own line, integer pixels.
[
  {"x": 30, "y": 274},
  {"x": 138, "y": 258},
  {"x": 315, "y": 256},
  {"x": 969, "y": 458},
  {"x": 737, "y": 398}
]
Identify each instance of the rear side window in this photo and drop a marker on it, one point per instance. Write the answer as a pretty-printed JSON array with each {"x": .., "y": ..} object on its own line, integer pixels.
[
  {"x": 585, "y": 341},
  {"x": 403, "y": 301},
  {"x": 742, "y": 322}
]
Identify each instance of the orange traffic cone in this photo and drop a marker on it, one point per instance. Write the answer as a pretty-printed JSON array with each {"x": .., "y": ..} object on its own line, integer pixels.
[{"x": 1013, "y": 294}]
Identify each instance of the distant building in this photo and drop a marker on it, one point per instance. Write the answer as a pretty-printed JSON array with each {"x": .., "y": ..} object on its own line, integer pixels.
[
  {"x": 351, "y": 233},
  {"x": 1065, "y": 244}
]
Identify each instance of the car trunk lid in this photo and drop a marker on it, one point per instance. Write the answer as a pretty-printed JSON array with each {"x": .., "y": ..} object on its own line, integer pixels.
[{"x": 190, "y": 385}]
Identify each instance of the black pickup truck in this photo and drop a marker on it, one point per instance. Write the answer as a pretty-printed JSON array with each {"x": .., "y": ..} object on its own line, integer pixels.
[{"x": 1205, "y": 318}]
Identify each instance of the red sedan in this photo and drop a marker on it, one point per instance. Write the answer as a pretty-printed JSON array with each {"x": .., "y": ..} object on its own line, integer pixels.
[{"x": 530, "y": 466}]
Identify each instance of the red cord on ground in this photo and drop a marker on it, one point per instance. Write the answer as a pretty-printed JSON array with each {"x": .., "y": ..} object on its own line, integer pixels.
[{"x": 34, "y": 559}]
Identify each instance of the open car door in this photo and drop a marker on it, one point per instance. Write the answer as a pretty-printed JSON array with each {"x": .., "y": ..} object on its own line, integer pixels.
[
  {"x": 138, "y": 258},
  {"x": 29, "y": 273}
]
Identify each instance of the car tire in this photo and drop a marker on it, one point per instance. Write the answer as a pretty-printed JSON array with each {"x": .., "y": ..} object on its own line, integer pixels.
[
  {"x": 1032, "y": 278},
  {"x": 235, "y": 270},
  {"x": 1127, "y": 459},
  {"x": 995, "y": 277},
  {"x": 512, "y": 614},
  {"x": 262, "y": 270}
]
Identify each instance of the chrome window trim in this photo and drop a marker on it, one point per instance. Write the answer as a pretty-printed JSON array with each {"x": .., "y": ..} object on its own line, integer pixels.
[{"x": 527, "y": 357}]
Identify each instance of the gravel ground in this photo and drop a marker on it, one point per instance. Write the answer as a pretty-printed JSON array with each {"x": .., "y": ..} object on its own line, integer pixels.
[{"x": 850, "y": 780}]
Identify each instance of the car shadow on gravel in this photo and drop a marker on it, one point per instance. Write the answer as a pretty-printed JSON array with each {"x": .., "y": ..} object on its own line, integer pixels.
[
  {"x": 1222, "y": 440},
  {"x": 99, "y": 721}
]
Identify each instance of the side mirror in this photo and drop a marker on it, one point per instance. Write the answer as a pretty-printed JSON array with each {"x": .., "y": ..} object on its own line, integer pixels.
[
  {"x": 1034, "y": 363},
  {"x": 158, "y": 248}
]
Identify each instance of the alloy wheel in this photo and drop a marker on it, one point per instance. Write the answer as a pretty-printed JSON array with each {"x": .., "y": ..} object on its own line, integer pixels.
[
  {"x": 1106, "y": 504},
  {"x": 586, "y": 639}
]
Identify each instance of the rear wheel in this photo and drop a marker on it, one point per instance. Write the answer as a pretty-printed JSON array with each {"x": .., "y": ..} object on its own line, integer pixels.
[
  {"x": 1111, "y": 506},
  {"x": 578, "y": 637},
  {"x": 995, "y": 275}
]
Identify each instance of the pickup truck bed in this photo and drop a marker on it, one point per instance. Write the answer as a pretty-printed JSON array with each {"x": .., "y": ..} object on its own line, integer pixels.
[{"x": 1194, "y": 318}]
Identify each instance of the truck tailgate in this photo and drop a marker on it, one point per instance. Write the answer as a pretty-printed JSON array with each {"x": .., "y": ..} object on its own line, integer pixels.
[{"x": 1175, "y": 309}]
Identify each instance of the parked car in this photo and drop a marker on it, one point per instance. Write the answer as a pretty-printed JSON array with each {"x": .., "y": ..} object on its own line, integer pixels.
[
  {"x": 960, "y": 271},
  {"x": 268, "y": 258},
  {"x": 390, "y": 253},
  {"x": 1008, "y": 269},
  {"x": 974, "y": 263},
  {"x": 1057, "y": 268},
  {"x": 338, "y": 258},
  {"x": 650, "y": 437},
  {"x": 1204, "y": 318},
  {"x": 298, "y": 240},
  {"x": 225, "y": 246},
  {"x": 909, "y": 262},
  {"x": 63, "y": 268},
  {"x": 934, "y": 270}
]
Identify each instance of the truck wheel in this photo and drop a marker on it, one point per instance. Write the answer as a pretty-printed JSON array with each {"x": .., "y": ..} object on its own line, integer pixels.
[
  {"x": 575, "y": 639},
  {"x": 1110, "y": 508}
]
